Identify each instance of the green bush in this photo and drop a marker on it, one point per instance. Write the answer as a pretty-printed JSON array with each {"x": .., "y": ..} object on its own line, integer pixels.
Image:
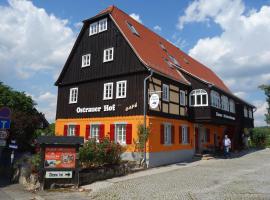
[
  {"x": 99, "y": 153},
  {"x": 36, "y": 162},
  {"x": 260, "y": 136}
]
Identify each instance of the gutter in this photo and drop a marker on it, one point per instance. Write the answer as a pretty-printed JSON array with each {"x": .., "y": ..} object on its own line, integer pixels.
[{"x": 145, "y": 108}]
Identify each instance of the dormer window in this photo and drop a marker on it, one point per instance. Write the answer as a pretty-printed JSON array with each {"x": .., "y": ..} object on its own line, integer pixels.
[
  {"x": 98, "y": 27},
  {"x": 86, "y": 60},
  {"x": 133, "y": 29},
  {"x": 174, "y": 61}
]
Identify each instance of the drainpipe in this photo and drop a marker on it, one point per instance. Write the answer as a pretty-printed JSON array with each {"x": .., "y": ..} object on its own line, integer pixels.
[{"x": 145, "y": 107}]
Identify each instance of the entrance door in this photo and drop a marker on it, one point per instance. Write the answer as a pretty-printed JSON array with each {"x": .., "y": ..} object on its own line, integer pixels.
[{"x": 197, "y": 149}]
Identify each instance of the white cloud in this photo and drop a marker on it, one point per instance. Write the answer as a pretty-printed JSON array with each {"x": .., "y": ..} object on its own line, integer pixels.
[
  {"x": 259, "y": 114},
  {"x": 136, "y": 17},
  {"x": 32, "y": 40},
  {"x": 240, "y": 55},
  {"x": 157, "y": 28}
]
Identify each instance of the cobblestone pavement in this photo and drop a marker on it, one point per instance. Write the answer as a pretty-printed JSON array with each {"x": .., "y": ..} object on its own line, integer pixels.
[{"x": 246, "y": 177}]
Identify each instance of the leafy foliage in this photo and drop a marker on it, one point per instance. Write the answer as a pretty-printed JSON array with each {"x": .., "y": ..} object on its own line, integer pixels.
[
  {"x": 260, "y": 136},
  {"x": 36, "y": 162},
  {"x": 49, "y": 131},
  {"x": 266, "y": 89},
  {"x": 99, "y": 153},
  {"x": 143, "y": 134}
]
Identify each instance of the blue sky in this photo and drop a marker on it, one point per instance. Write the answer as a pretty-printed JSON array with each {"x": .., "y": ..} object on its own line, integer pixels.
[{"x": 229, "y": 36}]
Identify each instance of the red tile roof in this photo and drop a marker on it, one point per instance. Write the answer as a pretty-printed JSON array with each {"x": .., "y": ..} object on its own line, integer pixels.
[{"x": 148, "y": 49}]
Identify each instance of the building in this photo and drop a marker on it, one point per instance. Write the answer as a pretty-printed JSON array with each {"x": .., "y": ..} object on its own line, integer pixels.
[{"x": 115, "y": 67}]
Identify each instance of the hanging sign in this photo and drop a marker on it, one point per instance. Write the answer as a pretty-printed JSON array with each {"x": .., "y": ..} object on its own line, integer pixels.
[{"x": 154, "y": 101}]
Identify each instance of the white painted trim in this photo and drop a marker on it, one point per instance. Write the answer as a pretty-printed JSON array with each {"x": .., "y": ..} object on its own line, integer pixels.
[
  {"x": 104, "y": 55},
  {"x": 104, "y": 91},
  {"x": 93, "y": 24},
  {"x": 70, "y": 95},
  {"x": 168, "y": 92},
  {"x": 83, "y": 56},
  {"x": 102, "y": 20},
  {"x": 117, "y": 89}
]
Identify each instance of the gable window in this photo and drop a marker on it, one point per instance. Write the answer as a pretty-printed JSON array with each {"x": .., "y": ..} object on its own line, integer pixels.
[
  {"x": 167, "y": 134},
  {"x": 73, "y": 95},
  {"x": 215, "y": 99},
  {"x": 71, "y": 130},
  {"x": 86, "y": 60},
  {"x": 198, "y": 97},
  {"x": 232, "y": 106},
  {"x": 108, "y": 55},
  {"x": 121, "y": 89},
  {"x": 225, "y": 103},
  {"x": 93, "y": 29},
  {"x": 108, "y": 91},
  {"x": 185, "y": 135},
  {"x": 102, "y": 25},
  {"x": 182, "y": 98},
  {"x": 165, "y": 92},
  {"x": 120, "y": 133}
]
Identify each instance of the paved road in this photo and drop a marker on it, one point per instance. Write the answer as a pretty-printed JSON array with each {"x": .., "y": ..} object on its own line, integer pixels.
[{"x": 246, "y": 177}]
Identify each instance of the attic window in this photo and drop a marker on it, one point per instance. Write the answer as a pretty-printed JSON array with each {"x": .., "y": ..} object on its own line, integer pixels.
[
  {"x": 174, "y": 60},
  {"x": 132, "y": 28},
  {"x": 168, "y": 62},
  {"x": 162, "y": 46}
]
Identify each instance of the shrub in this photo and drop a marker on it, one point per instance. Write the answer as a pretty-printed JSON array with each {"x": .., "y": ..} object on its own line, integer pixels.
[
  {"x": 260, "y": 136},
  {"x": 99, "y": 153},
  {"x": 36, "y": 162}
]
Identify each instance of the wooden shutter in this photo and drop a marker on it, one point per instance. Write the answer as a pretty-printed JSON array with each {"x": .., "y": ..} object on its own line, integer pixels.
[
  {"x": 162, "y": 134},
  {"x": 129, "y": 134},
  {"x": 112, "y": 127},
  {"x": 77, "y": 130},
  {"x": 101, "y": 131},
  {"x": 172, "y": 134},
  {"x": 180, "y": 135},
  {"x": 188, "y": 134},
  {"x": 65, "y": 130},
  {"x": 87, "y": 132}
]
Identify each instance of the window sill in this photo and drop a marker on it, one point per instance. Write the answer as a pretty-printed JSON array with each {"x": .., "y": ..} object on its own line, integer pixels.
[
  {"x": 121, "y": 97},
  {"x": 107, "y": 61},
  {"x": 107, "y": 99},
  {"x": 72, "y": 102},
  {"x": 85, "y": 66}
]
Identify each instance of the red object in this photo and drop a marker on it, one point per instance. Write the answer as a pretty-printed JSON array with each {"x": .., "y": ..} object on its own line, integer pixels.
[
  {"x": 112, "y": 127},
  {"x": 87, "y": 131},
  {"x": 172, "y": 136},
  {"x": 129, "y": 134},
  {"x": 188, "y": 134},
  {"x": 148, "y": 49},
  {"x": 180, "y": 134},
  {"x": 162, "y": 134},
  {"x": 77, "y": 130},
  {"x": 65, "y": 130},
  {"x": 101, "y": 131}
]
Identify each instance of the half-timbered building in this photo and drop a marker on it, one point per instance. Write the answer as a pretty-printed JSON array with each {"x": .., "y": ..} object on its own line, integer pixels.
[{"x": 116, "y": 65}]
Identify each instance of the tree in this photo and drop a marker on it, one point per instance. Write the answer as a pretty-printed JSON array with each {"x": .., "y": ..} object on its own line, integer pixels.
[
  {"x": 25, "y": 118},
  {"x": 266, "y": 89}
]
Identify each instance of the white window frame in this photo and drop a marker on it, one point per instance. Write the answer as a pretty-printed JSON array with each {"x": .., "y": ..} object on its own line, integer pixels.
[
  {"x": 182, "y": 98},
  {"x": 119, "y": 86},
  {"x": 122, "y": 127},
  {"x": 110, "y": 56},
  {"x": 165, "y": 92},
  {"x": 198, "y": 93},
  {"x": 86, "y": 60},
  {"x": 105, "y": 97},
  {"x": 71, "y": 130},
  {"x": 184, "y": 134},
  {"x": 93, "y": 28},
  {"x": 215, "y": 99},
  {"x": 73, "y": 95},
  {"x": 167, "y": 133},
  {"x": 101, "y": 26},
  {"x": 94, "y": 131},
  {"x": 225, "y": 103},
  {"x": 232, "y": 106}
]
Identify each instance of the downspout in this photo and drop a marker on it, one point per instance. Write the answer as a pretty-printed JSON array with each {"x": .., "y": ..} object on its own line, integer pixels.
[{"x": 145, "y": 108}]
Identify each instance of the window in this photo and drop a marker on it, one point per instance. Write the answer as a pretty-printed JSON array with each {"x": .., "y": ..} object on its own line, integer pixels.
[
  {"x": 185, "y": 135},
  {"x": 132, "y": 28},
  {"x": 121, "y": 133},
  {"x": 108, "y": 55},
  {"x": 108, "y": 91},
  {"x": 165, "y": 92},
  {"x": 73, "y": 95},
  {"x": 245, "y": 112},
  {"x": 174, "y": 61},
  {"x": 167, "y": 134},
  {"x": 198, "y": 98},
  {"x": 182, "y": 98},
  {"x": 225, "y": 103},
  {"x": 102, "y": 25},
  {"x": 95, "y": 131},
  {"x": 86, "y": 60},
  {"x": 215, "y": 99},
  {"x": 250, "y": 114},
  {"x": 93, "y": 28},
  {"x": 121, "y": 89},
  {"x": 232, "y": 106},
  {"x": 71, "y": 130}
]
